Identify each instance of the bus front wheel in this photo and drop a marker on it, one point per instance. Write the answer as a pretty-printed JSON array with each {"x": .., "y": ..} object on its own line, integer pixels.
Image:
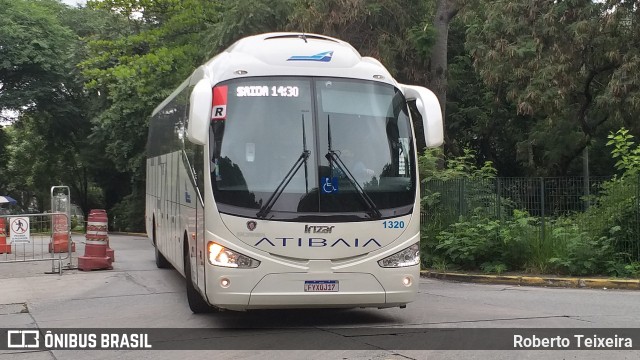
[
  {"x": 195, "y": 300},
  {"x": 161, "y": 261}
]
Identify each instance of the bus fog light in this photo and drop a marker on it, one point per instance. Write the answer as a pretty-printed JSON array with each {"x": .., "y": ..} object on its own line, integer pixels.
[
  {"x": 224, "y": 282},
  {"x": 220, "y": 256},
  {"x": 407, "y": 281},
  {"x": 407, "y": 257}
]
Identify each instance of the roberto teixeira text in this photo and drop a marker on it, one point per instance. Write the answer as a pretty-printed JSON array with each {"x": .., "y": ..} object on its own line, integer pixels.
[{"x": 576, "y": 341}]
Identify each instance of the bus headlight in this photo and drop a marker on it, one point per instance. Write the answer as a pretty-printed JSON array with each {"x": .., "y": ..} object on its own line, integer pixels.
[
  {"x": 221, "y": 256},
  {"x": 407, "y": 257}
]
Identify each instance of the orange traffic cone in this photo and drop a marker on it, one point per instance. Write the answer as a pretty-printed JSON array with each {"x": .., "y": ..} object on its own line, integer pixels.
[
  {"x": 100, "y": 227},
  {"x": 60, "y": 239},
  {"x": 97, "y": 243}
]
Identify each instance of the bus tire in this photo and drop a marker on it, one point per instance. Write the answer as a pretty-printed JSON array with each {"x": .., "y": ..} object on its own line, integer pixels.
[
  {"x": 195, "y": 300},
  {"x": 161, "y": 261}
]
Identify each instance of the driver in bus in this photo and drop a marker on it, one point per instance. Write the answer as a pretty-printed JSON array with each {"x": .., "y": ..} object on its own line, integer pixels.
[{"x": 356, "y": 166}]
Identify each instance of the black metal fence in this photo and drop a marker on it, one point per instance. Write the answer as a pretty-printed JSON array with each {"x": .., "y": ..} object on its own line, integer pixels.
[{"x": 598, "y": 206}]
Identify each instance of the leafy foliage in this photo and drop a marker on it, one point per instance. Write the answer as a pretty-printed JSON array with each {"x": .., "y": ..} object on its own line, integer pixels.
[
  {"x": 459, "y": 184},
  {"x": 158, "y": 47},
  {"x": 565, "y": 65},
  {"x": 456, "y": 169},
  {"x": 479, "y": 242},
  {"x": 48, "y": 145},
  {"x": 600, "y": 240},
  {"x": 454, "y": 166},
  {"x": 583, "y": 253},
  {"x": 36, "y": 55},
  {"x": 395, "y": 32},
  {"x": 628, "y": 157},
  {"x": 482, "y": 243},
  {"x": 128, "y": 214}
]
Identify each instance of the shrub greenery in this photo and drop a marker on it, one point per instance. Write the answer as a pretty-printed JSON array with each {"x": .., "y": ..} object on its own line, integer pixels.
[{"x": 602, "y": 240}]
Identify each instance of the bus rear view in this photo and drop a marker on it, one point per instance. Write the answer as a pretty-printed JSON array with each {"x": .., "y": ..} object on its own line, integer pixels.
[{"x": 303, "y": 187}]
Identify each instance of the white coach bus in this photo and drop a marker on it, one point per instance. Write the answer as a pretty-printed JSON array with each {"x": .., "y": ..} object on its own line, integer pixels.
[{"x": 282, "y": 174}]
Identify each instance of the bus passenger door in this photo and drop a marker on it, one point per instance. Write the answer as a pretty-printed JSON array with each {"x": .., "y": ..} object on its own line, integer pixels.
[
  {"x": 200, "y": 241},
  {"x": 193, "y": 183}
]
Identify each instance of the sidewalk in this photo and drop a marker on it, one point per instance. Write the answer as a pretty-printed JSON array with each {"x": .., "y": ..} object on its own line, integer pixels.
[{"x": 542, "y": 280}]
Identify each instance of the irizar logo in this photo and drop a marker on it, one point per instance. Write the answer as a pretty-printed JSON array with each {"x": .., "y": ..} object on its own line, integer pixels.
[
  {"x": 318, "y": 229},
  {"x": 317, "y": 242},
  {"x": 322, "y": 57}
]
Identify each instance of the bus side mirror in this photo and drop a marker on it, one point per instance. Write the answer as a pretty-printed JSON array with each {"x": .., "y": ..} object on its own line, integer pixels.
[
  {"x": 429, "y": 107},
  {"x": 199, "y": 112}
]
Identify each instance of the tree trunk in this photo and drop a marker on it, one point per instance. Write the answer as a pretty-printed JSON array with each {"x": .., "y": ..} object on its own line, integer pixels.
[{"x": 445, "y": 11}]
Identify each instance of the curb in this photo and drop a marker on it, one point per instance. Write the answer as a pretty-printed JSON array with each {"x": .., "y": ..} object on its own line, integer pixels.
[{"x": 565, "y": 282}]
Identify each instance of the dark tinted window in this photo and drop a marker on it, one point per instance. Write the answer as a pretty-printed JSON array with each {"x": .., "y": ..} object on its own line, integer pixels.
[{"x": 263, "y": 126}]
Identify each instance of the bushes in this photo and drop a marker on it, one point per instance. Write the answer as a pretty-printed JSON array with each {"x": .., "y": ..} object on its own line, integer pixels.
[
  {"x": 469, "y": 243},
  {"x": 580, "y": 252},
  {"x": 521, "y": 244},
  {"x": 478, "y": 224},
  {"x": 480, "y": 242}
]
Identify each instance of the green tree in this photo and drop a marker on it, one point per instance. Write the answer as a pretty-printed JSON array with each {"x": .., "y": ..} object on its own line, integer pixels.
[
  {"x": 128, "y": 72},
  {"x": 135, "y": 70},
  {"x": 478, "y": 117},
  {"x": 565, "y": 65},
  {"x": 394, "y": 32},
  {"x": 39, "y": 80},
  {"x": 27, "y": 171},
  {"x": 36, "y": 58}
]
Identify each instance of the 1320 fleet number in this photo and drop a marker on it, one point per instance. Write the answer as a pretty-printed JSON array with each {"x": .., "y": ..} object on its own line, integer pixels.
[{"x": 393, "y": 224}]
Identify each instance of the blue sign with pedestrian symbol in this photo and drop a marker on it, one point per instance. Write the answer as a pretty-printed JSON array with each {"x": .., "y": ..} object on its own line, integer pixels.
[{"x": 329, "y": 185}]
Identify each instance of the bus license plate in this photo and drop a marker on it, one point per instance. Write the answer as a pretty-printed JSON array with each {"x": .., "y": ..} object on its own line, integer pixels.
[{"x": 321, "y": 285}]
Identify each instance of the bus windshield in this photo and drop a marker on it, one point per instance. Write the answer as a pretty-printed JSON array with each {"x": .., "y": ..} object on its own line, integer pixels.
[{"x": 296, "y": 148}]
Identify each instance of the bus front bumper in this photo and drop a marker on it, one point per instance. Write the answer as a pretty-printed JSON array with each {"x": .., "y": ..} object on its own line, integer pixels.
[{"x": 288, "y": 290}]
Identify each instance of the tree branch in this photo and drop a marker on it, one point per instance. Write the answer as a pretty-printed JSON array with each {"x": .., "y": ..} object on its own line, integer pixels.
[{"x": 582, "y": 113}]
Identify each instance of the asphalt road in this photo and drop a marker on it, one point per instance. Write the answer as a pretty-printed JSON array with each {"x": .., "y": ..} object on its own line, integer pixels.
[{"x": 135, "y": 294}]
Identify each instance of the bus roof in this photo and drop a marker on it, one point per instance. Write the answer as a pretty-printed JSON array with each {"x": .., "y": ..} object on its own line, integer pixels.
[
  {"x": 286, "y": 54},
  {"x": 294, "y": 54}
]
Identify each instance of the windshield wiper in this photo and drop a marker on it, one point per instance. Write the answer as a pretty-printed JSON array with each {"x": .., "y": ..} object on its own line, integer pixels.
[
  {"x": 333, "y": 157},
  {"x": 302, "y": 159}
]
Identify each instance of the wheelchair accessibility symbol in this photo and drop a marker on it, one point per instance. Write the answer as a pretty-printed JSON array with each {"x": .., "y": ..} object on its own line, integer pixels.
[{"x": 329, "y": 185}]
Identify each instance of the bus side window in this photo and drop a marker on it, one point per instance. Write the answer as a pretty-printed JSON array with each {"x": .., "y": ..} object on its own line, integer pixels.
[{"x": 195, "y": 155}]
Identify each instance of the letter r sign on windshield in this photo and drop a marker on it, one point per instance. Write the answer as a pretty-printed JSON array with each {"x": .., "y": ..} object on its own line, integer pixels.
[{"x": 219, "y": 110}]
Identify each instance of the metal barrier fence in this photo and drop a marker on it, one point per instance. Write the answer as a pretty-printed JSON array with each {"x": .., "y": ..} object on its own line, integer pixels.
[
  {"x": 36, "y": 237},
  {"x": 552, "y": 202}
]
